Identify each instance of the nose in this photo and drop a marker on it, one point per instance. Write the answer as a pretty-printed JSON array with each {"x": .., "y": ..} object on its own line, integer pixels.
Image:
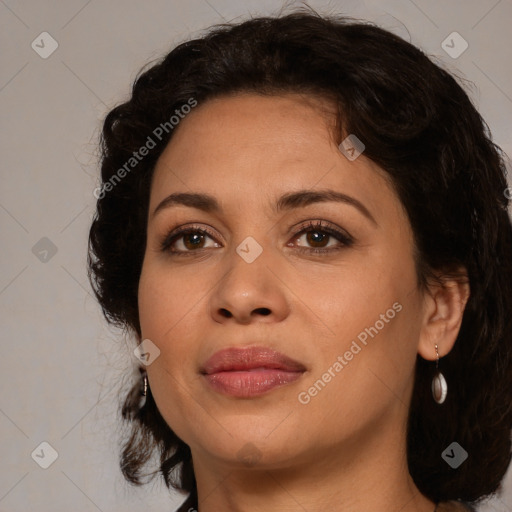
[{"x": 250, "y": 292}]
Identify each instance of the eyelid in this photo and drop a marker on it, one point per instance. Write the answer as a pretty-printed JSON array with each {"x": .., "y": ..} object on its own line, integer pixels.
[{"x": 321, "y": 225}]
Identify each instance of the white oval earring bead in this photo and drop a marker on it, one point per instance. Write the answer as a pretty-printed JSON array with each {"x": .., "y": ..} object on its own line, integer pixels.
[
  {"x": 439, "y": 385},
  {"x": 439, "y": 388}
]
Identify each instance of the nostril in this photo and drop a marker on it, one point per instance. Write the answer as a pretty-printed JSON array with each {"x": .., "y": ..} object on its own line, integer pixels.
[
  {"x": 225, "y": 313},
  {"x": 263, "y": 311}
]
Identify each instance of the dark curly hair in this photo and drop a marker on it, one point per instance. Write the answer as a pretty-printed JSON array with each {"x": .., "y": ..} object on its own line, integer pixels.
[{"x": 418, "y": 125}]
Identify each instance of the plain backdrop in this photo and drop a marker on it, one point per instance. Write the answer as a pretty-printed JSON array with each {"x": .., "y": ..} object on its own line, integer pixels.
[{"x": 62, "y": 367}]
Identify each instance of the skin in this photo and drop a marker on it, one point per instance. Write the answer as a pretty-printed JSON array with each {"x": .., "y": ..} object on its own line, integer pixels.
[{"x": 345, "y": 449}]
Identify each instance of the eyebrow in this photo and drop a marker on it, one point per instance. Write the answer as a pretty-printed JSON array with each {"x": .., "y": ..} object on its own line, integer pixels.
[{"x": 288, "y": 201}]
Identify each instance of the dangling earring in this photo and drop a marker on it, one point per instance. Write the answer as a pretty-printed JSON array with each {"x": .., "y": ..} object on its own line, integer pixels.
[
  {"x": 145, "y": 384},
  {"x": 439, "y": 386},
  {"x": 144, "y": 390}
]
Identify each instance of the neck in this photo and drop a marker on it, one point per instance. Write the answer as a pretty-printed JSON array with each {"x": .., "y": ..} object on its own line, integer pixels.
[{"x": 368, "y": 473}]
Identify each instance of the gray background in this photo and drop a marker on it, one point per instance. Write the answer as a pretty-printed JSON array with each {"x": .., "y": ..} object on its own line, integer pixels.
[{"x": 62, "y": 366}]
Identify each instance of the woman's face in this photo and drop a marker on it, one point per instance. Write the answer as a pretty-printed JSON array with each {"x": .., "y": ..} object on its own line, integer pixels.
[{"x": 348, "y": 317}]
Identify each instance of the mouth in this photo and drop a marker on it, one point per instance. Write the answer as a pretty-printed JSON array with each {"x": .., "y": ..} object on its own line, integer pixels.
[{"x": 250, "y": 372}]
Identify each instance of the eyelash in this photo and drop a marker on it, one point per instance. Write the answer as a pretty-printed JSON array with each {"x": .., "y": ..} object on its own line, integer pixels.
[{"x": 345, "y": 239}]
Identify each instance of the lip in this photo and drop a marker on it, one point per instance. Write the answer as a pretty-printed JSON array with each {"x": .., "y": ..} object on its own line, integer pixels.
[{"x": 249, "y": 372}]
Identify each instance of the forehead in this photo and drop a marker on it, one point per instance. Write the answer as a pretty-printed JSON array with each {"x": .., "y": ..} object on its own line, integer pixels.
[
  {"x": 250, "y": 146},
  {"x": 225, "y": 126}
]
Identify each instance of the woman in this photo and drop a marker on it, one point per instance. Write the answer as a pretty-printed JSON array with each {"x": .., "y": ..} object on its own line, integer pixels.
[{"x": 303, "y": 222}]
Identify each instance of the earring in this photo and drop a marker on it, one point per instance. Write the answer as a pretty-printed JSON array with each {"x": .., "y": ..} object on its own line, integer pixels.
[
  {"x": 145, "y": 384},
  {"x": 144, "y": 389},
  {"x": 439, "y": 386}
]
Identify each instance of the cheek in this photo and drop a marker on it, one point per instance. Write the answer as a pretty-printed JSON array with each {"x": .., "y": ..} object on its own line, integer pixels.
[
  {"x": 167, "y": 305},
  {"x": 372, "y": 317},
  {"x": 352, "y": 298},
  {"x": 166, "y": 312},
  {"x": 165, "y": 298}
]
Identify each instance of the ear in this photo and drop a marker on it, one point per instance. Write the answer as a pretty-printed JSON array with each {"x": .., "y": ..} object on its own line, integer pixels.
[{"x": 443, "y": 309}]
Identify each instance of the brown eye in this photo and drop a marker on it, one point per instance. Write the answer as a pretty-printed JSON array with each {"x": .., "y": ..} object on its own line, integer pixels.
[
  {"x": 187, "y": 240},
  {"x": 193, "y": 240},
  {"x": 318, "y": 237}
]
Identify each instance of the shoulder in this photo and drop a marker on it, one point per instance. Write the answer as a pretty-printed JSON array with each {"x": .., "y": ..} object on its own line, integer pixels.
[{"x": 454, "y": 506}]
